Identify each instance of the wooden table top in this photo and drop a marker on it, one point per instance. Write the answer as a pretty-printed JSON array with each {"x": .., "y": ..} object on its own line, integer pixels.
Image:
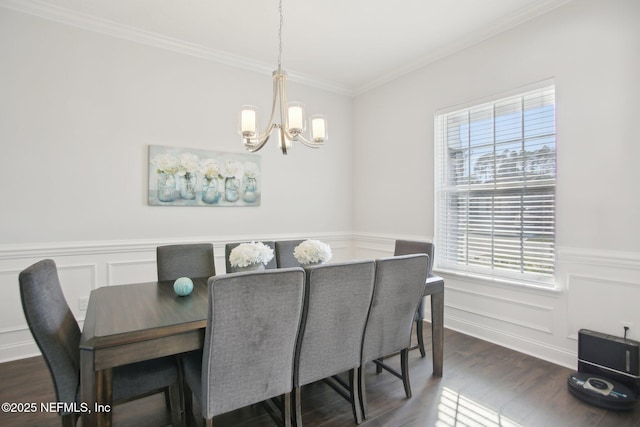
[
  {"x": 123, "y": 314},
  {"x": 127, "y": 313}
]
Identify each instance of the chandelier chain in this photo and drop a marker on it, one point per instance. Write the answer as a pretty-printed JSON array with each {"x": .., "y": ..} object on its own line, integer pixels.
[{"x": 280, "y": 37}]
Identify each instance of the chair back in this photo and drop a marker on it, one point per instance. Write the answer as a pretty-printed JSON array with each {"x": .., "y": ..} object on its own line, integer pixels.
[
  {"x": 337, "y": 301},
  {"x": 53, "y": 326},
  {"x": 252, "y": 326},
  {"x": 284, "y": 253},
  {"x": 407, "y": 247},
  {"x": 189, "y": 260},
  {"x": 398, "y": 289},
  {"x": 229, "y": 247}
]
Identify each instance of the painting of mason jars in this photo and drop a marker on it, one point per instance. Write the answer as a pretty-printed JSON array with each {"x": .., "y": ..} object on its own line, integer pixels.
[{"x": 193, "y": 177}]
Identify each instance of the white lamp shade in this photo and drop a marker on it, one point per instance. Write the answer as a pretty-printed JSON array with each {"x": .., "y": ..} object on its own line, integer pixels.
[
  {"x": 319, "y": 131},
  {"x": 295, "y": 117},
  {"x": 247, "y": 121}
]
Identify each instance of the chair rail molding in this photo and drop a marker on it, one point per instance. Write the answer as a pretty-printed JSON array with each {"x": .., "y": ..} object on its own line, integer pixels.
[
  {"x": 87, "y": 265},
  {"x": 537, "y": 321}
]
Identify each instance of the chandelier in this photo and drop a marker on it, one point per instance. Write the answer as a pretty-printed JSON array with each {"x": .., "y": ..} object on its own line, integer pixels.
[{"x": 292, "y": 123}]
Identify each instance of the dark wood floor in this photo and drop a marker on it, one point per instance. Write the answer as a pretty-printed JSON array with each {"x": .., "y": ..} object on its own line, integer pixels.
[{"x": 483, "y": 385}]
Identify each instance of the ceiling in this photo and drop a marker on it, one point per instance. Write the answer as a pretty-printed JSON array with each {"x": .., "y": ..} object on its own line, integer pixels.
[{"x": 347, "y": 46}]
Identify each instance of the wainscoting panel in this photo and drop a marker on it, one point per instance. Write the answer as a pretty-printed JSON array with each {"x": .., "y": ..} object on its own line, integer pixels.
[
  {"x": 495, "y": 310},
  {"x": 593, "y": 289},
  {"x": 11, "y": 316},
  {"x": 135, "y": 271},
  {"x": 84, "y": 266},
  {"x": 542, "y": 322},
  {"x": 602, "y": 304}
]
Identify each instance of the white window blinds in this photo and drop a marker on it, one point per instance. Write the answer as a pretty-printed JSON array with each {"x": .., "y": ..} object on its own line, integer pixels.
[{"x": 495, "y": 187}]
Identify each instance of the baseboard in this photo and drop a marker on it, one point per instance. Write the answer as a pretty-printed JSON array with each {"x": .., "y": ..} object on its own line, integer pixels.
[{"x": 541, "y": 350}]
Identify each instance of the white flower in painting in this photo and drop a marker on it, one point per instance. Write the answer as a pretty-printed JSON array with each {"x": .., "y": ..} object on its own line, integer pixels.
[
  {"x": 165, "y": 163},
  {"x": 312, "y": 251},
  {"x": 246, "y": 254},
  {"x": 210, "y": 168},
  {"x": 250, "y": 170},
  {"x": 232, "y": 168},
  {"x": 188, "y": 164}
]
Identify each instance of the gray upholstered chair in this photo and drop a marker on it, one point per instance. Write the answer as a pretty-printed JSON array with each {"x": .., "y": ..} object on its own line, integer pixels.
[
  {"x": 252, "y": 327},
  {"x": 406, "y": 247},
  {"x": 399, "y": 285},
  {"x": 188, "y": 260},
  {"x": 337, "y": 301},
  {"x": 284, "y": 253},
  {"x": 57, "y": 334},
  {"x": 229, "y": 247}
]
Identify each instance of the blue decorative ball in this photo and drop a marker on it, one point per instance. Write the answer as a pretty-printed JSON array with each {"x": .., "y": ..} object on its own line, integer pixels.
[{"x": 183, "y": 286}]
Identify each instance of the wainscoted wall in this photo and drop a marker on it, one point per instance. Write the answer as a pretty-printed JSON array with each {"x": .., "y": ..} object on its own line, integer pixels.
[
  {"x": 596, "y": 290},
  {"x": 89, "y": 265}
]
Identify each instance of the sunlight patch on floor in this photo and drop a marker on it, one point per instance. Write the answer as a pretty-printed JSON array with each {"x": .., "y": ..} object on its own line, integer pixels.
[{"x": 456, "y": 410}]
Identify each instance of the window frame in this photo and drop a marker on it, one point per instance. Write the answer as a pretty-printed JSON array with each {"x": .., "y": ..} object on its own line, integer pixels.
[{"x": 441, "y": 142}]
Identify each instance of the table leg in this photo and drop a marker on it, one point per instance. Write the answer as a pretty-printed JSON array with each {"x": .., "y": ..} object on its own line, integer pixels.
[
  {"x": 95, "y": 391},
  {"x": 104, "y": 397},
  {"x": 87, "y": 387},
  {"x": 437, "y": 331}
]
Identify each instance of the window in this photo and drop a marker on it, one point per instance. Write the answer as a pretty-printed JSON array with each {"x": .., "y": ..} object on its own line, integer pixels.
[{"x": 495, "y": 187}]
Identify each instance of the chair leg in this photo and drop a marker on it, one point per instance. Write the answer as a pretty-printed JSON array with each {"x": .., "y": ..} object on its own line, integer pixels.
[
  {"x": 69, "y": 420},
  {"x": 404, "y": 367},
  {"x": 420, "y": 335},
  {"x": 363, "y": 391},
  {"x": 378, "y": 367},
  {"x": 188, "y": 406},
  {"x": 297, "y": 407},
  {"x": 167, "y": 397},
  {"x": 175, "y": 404},
  {"x": 354, "y": 395},
  {"x": 286, "y": 410}
]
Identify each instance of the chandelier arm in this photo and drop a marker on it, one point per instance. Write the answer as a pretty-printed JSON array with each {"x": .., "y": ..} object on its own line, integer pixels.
[
  {"x": 254, "y": 144},
  {"x": 309, "y": 143},
  {"x": 282, "y": 88},
  {"x": 276, "y": 84},
  {"x": 299, "y": 137}
]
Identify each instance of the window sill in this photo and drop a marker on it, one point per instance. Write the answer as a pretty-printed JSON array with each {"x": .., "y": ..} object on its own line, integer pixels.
[{"x": 502, "y": 282}]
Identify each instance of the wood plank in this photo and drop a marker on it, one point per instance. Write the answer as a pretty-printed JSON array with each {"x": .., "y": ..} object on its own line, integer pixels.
[{"x": 479, "y": 376}]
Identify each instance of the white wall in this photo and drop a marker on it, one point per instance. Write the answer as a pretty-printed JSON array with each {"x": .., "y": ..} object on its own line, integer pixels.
[
  {"x": 78, "y": 110},
  {"x": 592, "y": 50}
]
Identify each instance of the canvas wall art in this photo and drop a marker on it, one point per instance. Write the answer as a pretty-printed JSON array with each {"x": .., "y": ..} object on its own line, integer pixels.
[{"x": 193, "y": 177}]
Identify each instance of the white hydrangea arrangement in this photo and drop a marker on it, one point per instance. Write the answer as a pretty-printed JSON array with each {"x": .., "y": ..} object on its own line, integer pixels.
[
  {"x": 165, "y": 163},
  {"x": 188, "y": 164},
  {"x": 312, "y": 252},
  {"x": 232, "y": 169},
  {"x": 246, "y": 254},
  {"x": 209, "y": 168}
]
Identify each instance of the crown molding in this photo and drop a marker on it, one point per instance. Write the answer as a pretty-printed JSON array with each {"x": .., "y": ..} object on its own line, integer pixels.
[
  {"x": 136, "y": 35},
  {"x": 110, "y": 28}
]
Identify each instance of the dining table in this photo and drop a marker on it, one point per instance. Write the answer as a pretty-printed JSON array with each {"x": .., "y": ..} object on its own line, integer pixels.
[{"x": 143, "y": 321}]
